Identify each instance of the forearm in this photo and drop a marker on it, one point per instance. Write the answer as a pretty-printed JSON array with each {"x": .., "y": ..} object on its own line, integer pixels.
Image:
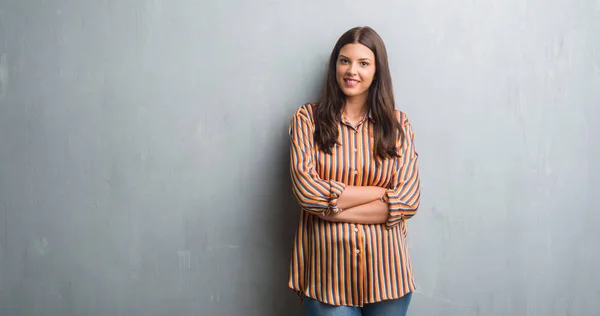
[
  {"x": 354, "y": 196},
  {"x": 375, "y": 212}
]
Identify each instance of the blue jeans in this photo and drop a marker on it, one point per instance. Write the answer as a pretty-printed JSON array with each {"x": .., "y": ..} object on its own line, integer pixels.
[{"x": 396, "y": 307}]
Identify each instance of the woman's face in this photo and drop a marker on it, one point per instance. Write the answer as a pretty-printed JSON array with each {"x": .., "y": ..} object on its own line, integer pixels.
[{"x": 355, "y": 70}]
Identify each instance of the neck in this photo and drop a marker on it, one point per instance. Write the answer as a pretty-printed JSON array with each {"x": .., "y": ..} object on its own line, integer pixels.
[{"x": 355, "y": 106}]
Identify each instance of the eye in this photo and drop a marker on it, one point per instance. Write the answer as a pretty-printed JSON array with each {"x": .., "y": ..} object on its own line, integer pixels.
[
  {"x": 343, "y": 61},
  {"x": 364, "y": 63}
]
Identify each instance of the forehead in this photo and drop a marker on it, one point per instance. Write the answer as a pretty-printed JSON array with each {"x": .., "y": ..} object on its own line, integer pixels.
[{"x": 357, "y": 51}]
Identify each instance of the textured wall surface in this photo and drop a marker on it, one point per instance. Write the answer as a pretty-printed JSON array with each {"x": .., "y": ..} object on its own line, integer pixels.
[{"x": 143, "y": 165}]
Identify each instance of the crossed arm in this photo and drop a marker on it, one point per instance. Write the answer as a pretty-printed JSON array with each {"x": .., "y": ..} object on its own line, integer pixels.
[
  {"x": 335, "y": 201},
  {"x": 361, "y": 205}
]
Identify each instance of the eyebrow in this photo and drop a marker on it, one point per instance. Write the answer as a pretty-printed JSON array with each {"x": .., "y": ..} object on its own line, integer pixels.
[{"x": 351, "y": 58}]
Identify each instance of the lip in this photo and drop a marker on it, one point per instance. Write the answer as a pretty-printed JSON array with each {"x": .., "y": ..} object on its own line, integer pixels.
[{"x": 349, "y": 82}]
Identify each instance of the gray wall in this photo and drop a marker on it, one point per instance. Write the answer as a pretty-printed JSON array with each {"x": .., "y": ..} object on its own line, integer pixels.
[{"x": 143, "y": 166}]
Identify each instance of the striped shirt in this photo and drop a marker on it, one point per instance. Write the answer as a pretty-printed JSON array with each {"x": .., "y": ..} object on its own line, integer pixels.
[{"x": 344, "y": 263}]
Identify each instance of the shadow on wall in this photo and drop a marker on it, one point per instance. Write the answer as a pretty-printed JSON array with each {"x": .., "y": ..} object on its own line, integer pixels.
[
  {"x": 263, "y": 289},
  {"x": 285, "y": 215}
]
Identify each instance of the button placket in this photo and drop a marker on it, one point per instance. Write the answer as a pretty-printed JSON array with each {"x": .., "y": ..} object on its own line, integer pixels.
[{"x": 355, "y": 142}]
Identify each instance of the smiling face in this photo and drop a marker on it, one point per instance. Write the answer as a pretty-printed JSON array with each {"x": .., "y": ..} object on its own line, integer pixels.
[{"x": 355, "y": 70}]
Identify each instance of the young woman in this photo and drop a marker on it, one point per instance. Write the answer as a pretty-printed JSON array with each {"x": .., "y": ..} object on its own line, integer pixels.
[{"x": 355, "y": 174}]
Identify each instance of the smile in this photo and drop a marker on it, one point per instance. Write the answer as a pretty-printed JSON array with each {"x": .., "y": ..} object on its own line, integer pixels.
[{"x": 351, "y": 82}]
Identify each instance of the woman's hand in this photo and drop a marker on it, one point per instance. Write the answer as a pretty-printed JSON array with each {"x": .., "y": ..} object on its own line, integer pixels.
[
  {"x": 359, "y": 195},
  {"x": 375, "y": 212}
]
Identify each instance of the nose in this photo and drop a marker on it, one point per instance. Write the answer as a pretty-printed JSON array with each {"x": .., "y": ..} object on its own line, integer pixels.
[{"x": 351, "y": 70}]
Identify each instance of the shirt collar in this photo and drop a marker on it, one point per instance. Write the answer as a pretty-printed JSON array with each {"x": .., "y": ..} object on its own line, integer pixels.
[{"x": 369, "y": 115}]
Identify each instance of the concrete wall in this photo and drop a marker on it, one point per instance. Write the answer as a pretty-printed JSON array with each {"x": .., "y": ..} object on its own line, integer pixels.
[{"x": 143, "y": 165}]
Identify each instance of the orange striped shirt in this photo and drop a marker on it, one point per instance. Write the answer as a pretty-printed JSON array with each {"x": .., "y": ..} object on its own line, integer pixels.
[{"x": 343, "y": 263}]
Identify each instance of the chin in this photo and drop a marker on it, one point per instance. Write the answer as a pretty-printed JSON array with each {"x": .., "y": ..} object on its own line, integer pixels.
[{"x": 352, "y": 93}]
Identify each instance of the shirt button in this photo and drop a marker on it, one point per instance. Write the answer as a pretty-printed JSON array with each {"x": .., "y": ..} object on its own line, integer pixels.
[
  {"x": 355, "y": 171},
  {"x": 357, "y": 251},
  {"x": 355, "y": 150},
  {"x": 356, "y": 229}
]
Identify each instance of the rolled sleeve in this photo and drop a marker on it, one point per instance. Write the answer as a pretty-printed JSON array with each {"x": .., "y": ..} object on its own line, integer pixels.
[
  {"x": 315, "y": 195},
  {"x": 404, "y": 196}
]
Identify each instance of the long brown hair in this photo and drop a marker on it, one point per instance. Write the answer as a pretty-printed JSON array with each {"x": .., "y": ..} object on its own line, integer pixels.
[{"x": 380, "y": 101}]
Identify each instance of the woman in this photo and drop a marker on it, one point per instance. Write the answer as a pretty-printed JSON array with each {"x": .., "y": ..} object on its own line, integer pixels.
[{"x": 355, "y": 174}]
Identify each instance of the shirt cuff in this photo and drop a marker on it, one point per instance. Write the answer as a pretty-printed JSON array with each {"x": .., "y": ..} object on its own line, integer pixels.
[{"x": 336, "y": 189}]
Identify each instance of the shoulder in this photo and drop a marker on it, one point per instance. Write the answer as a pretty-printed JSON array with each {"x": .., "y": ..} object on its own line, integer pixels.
[
  {"x": 302, "y": 118},
  {"x": 402, "y": 118},
  {"x": 304, "y": 112},
  {"x": 405, "y": 125}
]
